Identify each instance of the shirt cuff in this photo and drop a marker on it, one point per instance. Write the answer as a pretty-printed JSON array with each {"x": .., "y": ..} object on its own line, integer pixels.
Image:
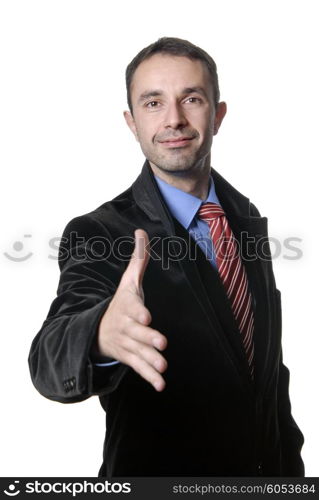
[{"x": 111, "y": 363}]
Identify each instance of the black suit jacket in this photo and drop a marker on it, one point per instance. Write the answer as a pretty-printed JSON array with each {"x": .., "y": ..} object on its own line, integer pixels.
[{"x": 211, "y": 419}]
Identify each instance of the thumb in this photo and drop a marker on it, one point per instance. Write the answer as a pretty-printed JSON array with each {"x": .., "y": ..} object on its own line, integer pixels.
[{"x": 135, "y": 270}]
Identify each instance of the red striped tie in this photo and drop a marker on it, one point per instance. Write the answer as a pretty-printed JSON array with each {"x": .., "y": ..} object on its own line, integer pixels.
[{"x": 232, "y": 273}]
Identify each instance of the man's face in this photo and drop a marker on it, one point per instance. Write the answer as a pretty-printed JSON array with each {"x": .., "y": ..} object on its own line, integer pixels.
[{"x": 174, "y": 117}]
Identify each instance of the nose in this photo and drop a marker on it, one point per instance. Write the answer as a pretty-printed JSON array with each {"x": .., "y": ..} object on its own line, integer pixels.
[{"x": 175, "y": 117}]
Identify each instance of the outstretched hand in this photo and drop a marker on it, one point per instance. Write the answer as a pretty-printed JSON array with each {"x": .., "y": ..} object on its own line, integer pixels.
[{"x": 124, "y": 332}]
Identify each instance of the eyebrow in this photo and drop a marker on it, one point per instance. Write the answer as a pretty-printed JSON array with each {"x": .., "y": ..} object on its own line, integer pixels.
[
  {"x": 156, "y": 93},
  {"x": 195, "y": 90},
  {"x": 149, "y": 93}
]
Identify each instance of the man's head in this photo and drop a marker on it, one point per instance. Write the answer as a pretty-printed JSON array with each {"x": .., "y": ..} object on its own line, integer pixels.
[
  {"x": 173, "y": 97},
  {"x": 174, "y": 47}
]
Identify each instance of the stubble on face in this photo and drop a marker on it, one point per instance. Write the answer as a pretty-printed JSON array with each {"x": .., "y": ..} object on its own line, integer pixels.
[
  {"x": 195, "y": 128},
  {"x": 179, "y": 161}
]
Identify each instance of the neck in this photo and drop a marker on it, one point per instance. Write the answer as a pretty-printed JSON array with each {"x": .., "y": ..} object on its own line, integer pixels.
[{"x": 194, "y": 181}]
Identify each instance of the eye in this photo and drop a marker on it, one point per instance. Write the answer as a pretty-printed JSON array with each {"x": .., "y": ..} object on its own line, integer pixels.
[
  {"x": 152, "y": 104},
  {"x": 193, "y": 100}
]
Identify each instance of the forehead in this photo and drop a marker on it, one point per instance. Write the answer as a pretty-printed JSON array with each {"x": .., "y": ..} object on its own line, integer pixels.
[{"x": 168, "y": 72}]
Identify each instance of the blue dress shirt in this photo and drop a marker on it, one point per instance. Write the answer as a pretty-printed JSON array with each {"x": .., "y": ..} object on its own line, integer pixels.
[{"x": 184, "y": 206}]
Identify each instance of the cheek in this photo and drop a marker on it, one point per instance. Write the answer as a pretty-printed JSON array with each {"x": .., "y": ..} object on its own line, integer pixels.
[
  {"x": 146, "y": 130},
  {"x": 203, "y": 122},
  {"x": 209, "y": 124}
]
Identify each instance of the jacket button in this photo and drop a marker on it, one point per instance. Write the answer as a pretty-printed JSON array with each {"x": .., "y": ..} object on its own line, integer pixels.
[
  {"x": 66, "y": 385},
  {"x": 260, "y": 469},
  {"x": 69, "y": 384}
]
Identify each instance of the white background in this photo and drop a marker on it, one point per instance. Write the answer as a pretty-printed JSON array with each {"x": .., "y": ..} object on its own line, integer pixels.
[{"x": 65, "y": 149}]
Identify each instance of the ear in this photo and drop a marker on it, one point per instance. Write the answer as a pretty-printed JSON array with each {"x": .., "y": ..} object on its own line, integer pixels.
[
  {"x": 219, "y": 115},
  {"x": 131, "y": 123}
]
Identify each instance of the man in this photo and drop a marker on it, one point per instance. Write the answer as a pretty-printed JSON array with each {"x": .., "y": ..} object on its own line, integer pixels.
[{"x": 180, "y": 338}]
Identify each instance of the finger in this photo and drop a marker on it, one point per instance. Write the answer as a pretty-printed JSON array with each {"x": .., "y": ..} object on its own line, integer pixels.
[
  {"x": 146, "y": 371},
  {"x": 148, "y": 353},
  {"x": 146, "y": 335},
  {"x": 135, "y": 310},
  {"x": 136, "y": 268}
]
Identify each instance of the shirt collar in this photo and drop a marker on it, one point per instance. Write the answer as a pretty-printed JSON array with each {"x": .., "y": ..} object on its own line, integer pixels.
[{"x": 184, "y": 206}]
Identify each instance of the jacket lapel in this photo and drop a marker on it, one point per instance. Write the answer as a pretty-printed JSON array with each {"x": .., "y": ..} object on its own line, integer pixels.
[
  {"x": 206, "y": 283},
  {"x": 252, "y": 234},
  {"x": 210, "y": 291}
]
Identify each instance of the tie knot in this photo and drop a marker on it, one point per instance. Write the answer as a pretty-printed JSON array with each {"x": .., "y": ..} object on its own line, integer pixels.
[{"x": 209, "y": 211}]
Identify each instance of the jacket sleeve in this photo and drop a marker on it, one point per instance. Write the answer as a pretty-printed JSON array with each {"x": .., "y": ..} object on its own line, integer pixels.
[
  {"x": 59, "y": 359},
  {"x": 290, "y": 435},
  {"x": 291, "y": 438}
]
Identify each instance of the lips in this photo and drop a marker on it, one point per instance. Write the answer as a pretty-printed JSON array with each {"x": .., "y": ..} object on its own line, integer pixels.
[{"x": 177, "y": 141}]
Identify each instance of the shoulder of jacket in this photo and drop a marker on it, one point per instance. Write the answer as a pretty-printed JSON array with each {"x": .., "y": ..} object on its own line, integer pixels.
[
  {"x": 253, "y": 210},
  {"x": 90, "y": 221}
]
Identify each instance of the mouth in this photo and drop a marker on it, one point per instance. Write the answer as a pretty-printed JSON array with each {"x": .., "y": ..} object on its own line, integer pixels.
[{"x": 176, "y": 142}]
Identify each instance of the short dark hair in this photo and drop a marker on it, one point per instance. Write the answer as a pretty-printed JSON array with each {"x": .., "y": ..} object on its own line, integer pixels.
[{"x": 176, "y": 47}]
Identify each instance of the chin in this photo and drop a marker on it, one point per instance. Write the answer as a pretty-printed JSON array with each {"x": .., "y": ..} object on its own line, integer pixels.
[{"x": 178, "y": 168}]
